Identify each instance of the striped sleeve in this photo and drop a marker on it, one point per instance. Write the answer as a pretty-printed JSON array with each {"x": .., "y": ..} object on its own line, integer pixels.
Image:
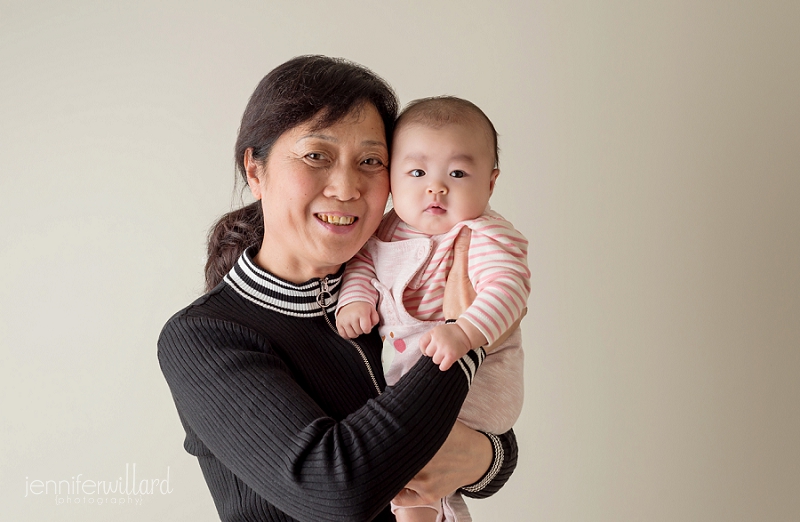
[
  {"x": 498, "y": 267},
  {"x": 357, "y": 282}
]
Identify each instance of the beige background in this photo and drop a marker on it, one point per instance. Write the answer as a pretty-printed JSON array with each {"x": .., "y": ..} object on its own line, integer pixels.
[{"x": 649, "y": 153}]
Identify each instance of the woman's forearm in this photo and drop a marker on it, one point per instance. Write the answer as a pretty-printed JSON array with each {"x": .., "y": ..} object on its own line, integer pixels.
[
  {"x": 504, "y": 462},
  {"x": 482, "y": 461}
]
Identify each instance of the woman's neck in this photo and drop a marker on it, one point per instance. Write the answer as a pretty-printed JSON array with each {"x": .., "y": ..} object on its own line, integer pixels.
[{"x": 293, "y": 271}]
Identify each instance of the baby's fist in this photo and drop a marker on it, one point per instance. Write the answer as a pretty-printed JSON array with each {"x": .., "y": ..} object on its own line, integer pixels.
[
  {"x": 445, "y": 344},
  {"x": 356, "y": 318}
]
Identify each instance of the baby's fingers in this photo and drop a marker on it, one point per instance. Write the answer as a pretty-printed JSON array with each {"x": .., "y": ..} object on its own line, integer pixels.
[
  {"x": 436, "y": 355},
  {"x": 340, "y": 328},
  {"x": 446, "y": 363},
  {"x": 424, "y": 341},
  {"x": 366, "y": 324},
  {"x": 353, "y": 330},
  {"x": 344, "y": 328}
]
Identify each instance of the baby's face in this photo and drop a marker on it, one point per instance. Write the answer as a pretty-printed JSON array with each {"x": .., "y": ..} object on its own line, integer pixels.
[{"x": 442, "y": 176}]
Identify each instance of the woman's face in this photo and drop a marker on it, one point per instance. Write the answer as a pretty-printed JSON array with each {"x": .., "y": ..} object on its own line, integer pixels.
[{"x": 323, "y": 192}]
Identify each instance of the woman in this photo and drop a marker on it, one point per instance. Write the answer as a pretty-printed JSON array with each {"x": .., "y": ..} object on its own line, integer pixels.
[{"x": 288, "y": 420}]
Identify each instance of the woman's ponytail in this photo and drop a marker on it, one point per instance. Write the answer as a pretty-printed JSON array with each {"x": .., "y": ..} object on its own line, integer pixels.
[{"x": 228, "y": 239}]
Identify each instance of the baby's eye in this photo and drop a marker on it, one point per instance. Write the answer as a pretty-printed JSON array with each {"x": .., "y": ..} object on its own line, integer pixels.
[
  {"x": 457, "y": 174},
  {"x": 417, "y": 173}
]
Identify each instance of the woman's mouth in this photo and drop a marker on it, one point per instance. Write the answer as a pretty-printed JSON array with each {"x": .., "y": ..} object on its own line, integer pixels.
[{"x": 336, "y": 220}]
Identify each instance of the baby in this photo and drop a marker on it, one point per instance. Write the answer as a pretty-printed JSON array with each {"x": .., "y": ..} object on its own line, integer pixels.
[{"x": 443, "y": 171}]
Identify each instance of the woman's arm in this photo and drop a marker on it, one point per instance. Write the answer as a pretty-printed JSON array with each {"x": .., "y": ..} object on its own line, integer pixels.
[
  {"x": 241, "y": 401},
  {"x": 486, "y": 460}
]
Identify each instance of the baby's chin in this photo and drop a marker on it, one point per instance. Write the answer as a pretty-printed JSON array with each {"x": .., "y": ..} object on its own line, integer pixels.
[{"x": 431, "y": 229}]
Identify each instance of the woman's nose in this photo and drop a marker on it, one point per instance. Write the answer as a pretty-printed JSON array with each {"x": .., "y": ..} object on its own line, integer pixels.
[{"x": 343, "y": 184}]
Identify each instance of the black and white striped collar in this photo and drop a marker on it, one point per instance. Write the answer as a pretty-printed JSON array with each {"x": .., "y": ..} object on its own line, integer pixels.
[{"x": 267, "y": 290}]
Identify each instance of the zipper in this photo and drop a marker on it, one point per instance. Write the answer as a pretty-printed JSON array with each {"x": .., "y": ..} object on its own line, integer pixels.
[{"x": 323, "y": 298}]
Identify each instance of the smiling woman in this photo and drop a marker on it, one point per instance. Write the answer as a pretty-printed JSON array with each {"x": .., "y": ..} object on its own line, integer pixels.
[
  {"x": 324, "y": 192},
  {"x": 290, "y": 421}
]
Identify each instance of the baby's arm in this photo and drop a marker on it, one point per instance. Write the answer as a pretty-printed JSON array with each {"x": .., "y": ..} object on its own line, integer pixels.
[
  {"x": 355, "y": 312},
  {"x": 356, "y": 318}
]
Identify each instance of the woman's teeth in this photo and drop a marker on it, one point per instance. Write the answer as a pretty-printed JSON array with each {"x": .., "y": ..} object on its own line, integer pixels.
[{"x": 336, "y": 220}]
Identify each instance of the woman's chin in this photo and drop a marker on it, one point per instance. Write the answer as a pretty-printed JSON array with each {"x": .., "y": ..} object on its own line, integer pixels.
[{"x": 334, "y": 253}]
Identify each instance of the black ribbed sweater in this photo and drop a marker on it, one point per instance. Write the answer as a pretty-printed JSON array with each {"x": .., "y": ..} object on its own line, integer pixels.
[{"x": 283, "y": 414}]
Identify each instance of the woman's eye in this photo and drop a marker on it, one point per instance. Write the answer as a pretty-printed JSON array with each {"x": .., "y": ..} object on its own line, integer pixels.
[
  {"x": 457, "y": 174},
  {"x": 315, "y": 156},
  {"x": 372, "y": 162},
  {"x": 417, "y": 173}
]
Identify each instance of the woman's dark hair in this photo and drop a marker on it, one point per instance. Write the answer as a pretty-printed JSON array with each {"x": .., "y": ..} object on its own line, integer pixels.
[{"x": 293, "y": 93}]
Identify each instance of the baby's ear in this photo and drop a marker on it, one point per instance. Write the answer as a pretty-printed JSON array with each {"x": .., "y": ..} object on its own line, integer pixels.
[{"x": 493, "y": 179}]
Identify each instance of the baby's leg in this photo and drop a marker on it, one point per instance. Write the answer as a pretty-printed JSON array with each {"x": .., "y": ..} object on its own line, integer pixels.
[{"x": 416, "y": 514}]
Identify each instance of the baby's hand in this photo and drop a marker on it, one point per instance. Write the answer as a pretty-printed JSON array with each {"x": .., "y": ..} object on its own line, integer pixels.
[
  {"x": 356, "y": 318},
  {"x": 445, "y": 344}
]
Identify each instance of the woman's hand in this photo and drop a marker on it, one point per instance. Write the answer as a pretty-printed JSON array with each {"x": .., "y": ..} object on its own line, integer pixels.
[
  {"x": 463, "y": 459},
  {"x": 447, "y": 343},
  {"x": 458, "y": 290}
]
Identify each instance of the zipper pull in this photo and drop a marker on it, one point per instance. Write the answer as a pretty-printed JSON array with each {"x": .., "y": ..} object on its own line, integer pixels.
[{"x": 324, "y": 295}]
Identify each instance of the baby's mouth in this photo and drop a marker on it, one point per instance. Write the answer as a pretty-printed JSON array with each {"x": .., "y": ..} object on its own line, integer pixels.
[{"x": 336, "y": 220}]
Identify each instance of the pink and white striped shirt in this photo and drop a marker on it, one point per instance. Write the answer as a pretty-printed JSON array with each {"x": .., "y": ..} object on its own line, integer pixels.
[{"x": 498, "y": 269}]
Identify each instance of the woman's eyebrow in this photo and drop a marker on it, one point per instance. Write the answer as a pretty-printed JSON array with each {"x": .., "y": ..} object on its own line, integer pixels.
[
  {"x": 325, "y": 137},
  {"x": 375, "y": 142}
]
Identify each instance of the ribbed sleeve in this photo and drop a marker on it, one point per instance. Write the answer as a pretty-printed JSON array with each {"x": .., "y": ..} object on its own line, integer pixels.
[{"x": 246, "y": 405}]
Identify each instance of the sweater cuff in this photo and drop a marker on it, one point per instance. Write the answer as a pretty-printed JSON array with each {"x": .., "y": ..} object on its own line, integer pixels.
[
  {"x": 497, "y": 462},
  {"x": 504, "y": 462},
  {"x": 470, "y": 363}
]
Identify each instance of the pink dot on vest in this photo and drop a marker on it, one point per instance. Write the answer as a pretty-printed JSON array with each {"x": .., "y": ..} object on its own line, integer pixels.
[{"x": 400, "y": 345}]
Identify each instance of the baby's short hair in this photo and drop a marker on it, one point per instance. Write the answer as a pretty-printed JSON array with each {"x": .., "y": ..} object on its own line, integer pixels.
[{"x": 438, "y": 111}]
